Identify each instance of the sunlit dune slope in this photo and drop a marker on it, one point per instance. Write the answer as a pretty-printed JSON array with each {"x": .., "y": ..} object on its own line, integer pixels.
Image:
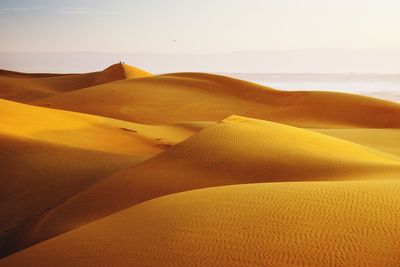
[
  {"x": 88, "y": 131},
  {"x": 282, "y": 224},
  {"x": 131, "y": 72},
  {"x": 24, "y": 87},
  {"x": 236, "y": 150},
  {"x": 207, "y": 97},
  {"x": 386, "y": 140}
]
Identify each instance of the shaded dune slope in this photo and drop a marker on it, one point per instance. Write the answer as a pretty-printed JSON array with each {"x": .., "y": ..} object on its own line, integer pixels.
[
  {"x": 207, "y": 97},
  {"x": 215, "y": 156},
  {"x": 24, "y": 87},
  {"x": 45, "y": 174},
  {"x": 48, "y": 155},
  {"x": 282, "y": 224}
]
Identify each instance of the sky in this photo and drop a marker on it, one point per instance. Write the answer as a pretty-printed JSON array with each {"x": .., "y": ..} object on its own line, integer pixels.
[{"x": 191, "y": 26}]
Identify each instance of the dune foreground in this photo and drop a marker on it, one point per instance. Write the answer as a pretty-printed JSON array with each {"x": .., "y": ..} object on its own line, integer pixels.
[
  {"x": 125, "y": 168},
  {"x": 280, "y": 224}
]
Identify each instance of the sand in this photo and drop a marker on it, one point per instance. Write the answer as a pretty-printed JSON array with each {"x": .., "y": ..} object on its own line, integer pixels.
[
  {"x": 122, "y": 167},
  {"x": 87, "y": 131},
  {"x": 386, "y": 140},
  {"x": 25, "y": 87},
  {"x": 283, "y": 224},
  {"x": 49, "y": 155},
  {"x": 206, "y": 97},
  {"x": 284, "y": 153}
]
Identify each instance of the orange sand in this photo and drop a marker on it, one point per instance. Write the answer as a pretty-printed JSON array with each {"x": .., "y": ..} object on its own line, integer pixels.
[
  {"x": 97, "y": 170},
  {"x": 206, "y": 97},
  {"x": 24, "y": 87},
  {"x": 284, "y": 224}
]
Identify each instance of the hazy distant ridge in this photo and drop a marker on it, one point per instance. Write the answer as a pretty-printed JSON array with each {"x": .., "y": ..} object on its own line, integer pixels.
[{"x": 271, "y": 61}]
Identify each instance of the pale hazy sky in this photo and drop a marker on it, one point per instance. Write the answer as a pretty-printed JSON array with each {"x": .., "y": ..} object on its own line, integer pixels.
[{"x": 203, "y": 26}]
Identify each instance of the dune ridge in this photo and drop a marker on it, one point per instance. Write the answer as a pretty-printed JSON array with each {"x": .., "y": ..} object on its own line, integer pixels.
[
  {"x": 198, "y": 96},
  {"x": 16, "y": 74}
]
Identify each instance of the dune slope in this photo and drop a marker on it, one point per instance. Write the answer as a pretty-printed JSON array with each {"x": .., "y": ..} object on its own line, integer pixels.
[
  {"x": 282, "y": 224},
  {"x": 234, "y": 151},
  {"x": 49, "y": 155},
  {"x": 88, "y": 131},
  {"x": 206, "y": 97},
  {"x": 385, "y": 140},
  {"x": 37, "y": 176},
  {"x": 131, "y": 72},
  {"x": 23, "y": 87}
]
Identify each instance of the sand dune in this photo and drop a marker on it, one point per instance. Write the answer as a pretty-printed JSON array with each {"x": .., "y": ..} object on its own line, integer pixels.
[
  {"x": 24, "y": 87},
  {"x": 196, "y": 96},
  {"x": 215, "y": 156},
  {"x": 88, "y": 131},
  {"x": 49, "y": 155},
  {"x": 84, "y": 152},
  {"x": 283, "y": 224}
]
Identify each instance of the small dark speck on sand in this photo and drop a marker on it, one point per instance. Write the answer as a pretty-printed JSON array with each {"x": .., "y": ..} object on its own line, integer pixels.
[{"x": 128, "y": 130}]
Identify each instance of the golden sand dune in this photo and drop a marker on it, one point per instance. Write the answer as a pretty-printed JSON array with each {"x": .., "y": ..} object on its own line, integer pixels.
[
  {"x": 206, "y": 97},
  {"x": 249, "y": 150},
  {"x": 49, "y": 155},
  {"x": 282, "y": 224},
  {"x": 236, "y": 150},
  {"x": 24, "y": 87},
  {"x": 88, "y": 131}
]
